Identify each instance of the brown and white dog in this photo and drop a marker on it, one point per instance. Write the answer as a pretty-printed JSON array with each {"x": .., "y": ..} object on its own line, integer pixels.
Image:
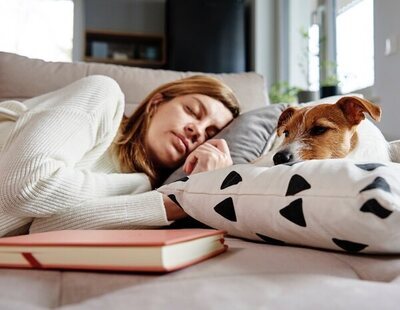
[{"x": 328, "y": 131}]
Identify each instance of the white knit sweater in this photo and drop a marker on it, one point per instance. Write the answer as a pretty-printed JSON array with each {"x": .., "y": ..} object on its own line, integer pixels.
[{"x": 56, "y": 168}]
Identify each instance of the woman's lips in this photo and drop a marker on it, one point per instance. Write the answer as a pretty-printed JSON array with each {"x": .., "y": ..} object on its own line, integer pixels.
[{"x": 182, "y": 143}]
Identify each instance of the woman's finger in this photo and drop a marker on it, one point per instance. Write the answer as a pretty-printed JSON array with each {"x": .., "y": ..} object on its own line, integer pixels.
[
  {"x": 220, "y": 144},
  {"x": 210, "y": 155},
  {"x": 190, "y": 163}
]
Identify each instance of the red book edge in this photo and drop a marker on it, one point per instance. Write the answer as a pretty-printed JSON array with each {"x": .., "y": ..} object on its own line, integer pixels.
[{"x": 111, "y": 238}]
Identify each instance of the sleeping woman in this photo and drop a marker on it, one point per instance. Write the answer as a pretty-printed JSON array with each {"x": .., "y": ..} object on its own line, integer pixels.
[{"x": 69, "y": 159}]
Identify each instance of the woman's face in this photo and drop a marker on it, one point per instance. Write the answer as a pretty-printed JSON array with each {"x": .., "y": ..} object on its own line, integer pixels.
[{"x": 180, "y": 125}]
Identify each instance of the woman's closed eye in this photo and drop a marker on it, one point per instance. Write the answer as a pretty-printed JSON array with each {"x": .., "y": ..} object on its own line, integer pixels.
[{"x": 192, "y": 112}]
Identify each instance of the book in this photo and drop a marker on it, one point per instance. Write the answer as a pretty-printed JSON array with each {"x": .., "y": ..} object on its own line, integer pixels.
[{"x": 115, "y": 250}]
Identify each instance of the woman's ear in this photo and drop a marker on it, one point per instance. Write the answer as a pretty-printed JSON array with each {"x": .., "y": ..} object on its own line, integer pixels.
[{"x": 154, "y": 102}]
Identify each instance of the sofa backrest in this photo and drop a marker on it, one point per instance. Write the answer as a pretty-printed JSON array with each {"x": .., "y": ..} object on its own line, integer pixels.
[{"x": 22, "y": 78}]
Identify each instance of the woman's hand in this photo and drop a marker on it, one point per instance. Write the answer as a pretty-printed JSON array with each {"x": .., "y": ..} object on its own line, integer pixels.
[
  {"x": 173, "y": 211},
  {"x": 211, "y": 155}
]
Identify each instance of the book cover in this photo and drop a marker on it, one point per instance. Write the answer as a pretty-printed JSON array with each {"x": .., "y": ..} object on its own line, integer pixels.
[{"x": 119, "y": 250}]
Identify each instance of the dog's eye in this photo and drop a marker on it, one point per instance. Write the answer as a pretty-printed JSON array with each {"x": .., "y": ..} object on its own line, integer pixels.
[
  {"x": 318, "y": 130},
  {"x": 286, "y": 133}
]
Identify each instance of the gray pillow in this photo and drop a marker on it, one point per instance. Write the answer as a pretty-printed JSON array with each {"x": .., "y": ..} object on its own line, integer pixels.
[{"x": 247, "y": 136}]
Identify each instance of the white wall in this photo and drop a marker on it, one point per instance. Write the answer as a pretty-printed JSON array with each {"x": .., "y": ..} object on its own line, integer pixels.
[
  {"x": 299, "y": 18},
  {"x": 387, "y": 68},
  {"x": 264, "y": 30}
]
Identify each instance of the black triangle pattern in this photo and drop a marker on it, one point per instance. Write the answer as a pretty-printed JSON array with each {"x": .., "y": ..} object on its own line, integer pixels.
[
  {"x": 292, "y": 163},
  {"x": 374, "y": 207},
  {"x": 173, "y": 198},
  {"x": 294, "y": 212},
  {"x": 380, "y": 183},
  {"x": 226, "y": 209},
  {"x": 349, "y": 246},
  {"x": 232, "y": 178},
  {"x": 184, "y": 179},
  {"x": 297, "y": 184},
  {"x": 270, "y": 240},
  {"x": 370, "y": 166}
]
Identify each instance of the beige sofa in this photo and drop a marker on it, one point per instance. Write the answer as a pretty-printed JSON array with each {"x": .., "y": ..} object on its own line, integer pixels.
[{"x": 249, "y": 276}]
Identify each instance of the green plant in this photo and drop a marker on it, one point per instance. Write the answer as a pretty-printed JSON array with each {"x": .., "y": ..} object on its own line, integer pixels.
[
  {"x": 283, "y": 92},
  {"x": 304, "y": 56},
  {"x": 328, "y": 68},
  {"x": 330, "y": 71}
]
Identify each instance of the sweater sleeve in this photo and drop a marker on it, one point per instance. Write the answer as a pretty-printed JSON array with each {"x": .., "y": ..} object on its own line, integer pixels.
[
  {"x": 38, "y": 175},
  {"x": 121, "y": 212}
]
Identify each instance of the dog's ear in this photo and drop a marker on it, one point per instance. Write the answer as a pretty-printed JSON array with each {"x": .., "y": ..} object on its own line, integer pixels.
[
  {"x": 353, "y": 109},
  {"x": 284, "y": 118}
]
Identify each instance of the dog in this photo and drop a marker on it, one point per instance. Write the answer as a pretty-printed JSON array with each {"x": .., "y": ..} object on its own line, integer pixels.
[{"x": 325, "y": 131}]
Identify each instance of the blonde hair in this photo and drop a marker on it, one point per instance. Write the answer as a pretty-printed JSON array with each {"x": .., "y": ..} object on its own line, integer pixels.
[{"x": 130, "y": 143}]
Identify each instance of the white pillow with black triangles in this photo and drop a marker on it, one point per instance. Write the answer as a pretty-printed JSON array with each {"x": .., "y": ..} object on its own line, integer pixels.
[{"x": 332, "y": 204}]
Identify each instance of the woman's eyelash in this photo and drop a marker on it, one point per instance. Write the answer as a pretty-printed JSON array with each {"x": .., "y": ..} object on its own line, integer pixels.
[{"x": 191, "y": 111}]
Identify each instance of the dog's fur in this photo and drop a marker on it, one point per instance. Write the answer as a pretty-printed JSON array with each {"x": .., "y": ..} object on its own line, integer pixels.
[{"x": 328, "y": 131}]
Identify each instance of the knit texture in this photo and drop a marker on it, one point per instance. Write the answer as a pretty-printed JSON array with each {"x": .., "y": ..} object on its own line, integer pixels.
[{"x": 56, "y": 168}]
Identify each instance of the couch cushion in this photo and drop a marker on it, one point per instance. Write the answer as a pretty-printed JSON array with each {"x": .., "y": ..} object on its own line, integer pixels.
[
  {"x": 22, "y": 78},
  {"x": 29, "y": 289},
  {"x": 333, "y": 204}
]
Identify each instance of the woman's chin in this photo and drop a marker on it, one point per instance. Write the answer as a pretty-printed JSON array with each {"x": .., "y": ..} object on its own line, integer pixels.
[{"x": 171, "y": 159}]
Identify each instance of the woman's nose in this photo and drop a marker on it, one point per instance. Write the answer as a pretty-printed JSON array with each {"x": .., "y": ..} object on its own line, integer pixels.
[{"x": 193, "y": 132}]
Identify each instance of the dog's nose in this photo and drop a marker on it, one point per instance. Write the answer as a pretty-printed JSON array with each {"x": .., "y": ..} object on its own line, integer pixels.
[{"x": 282, "y": 157}]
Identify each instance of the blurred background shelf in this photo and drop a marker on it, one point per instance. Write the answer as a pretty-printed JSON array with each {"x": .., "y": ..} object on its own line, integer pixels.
[
  {"x": 123, "y": 48},
  {"x": 129, "y": 62}
]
